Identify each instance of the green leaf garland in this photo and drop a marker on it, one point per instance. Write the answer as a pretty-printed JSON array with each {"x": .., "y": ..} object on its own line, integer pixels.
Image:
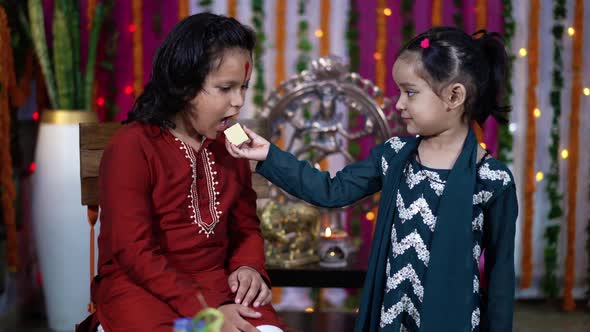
[
  {"x": 551, "y": 235},
  {"x": 258, "y": 24}
]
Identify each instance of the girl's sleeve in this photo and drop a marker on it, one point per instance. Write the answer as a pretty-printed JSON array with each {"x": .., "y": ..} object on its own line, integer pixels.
[
  {"x": 499, "y": 234},
  {"x": 300, "y": 179}
]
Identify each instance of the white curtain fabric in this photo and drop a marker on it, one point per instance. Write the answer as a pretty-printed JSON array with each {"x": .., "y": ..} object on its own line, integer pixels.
[{"x": 542, "y": 162}]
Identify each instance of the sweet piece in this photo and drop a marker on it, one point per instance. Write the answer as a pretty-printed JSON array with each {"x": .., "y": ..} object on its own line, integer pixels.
[{"x": 236, "y": 135}]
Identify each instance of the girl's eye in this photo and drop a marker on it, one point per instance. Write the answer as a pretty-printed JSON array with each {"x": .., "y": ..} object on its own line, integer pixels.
[
  {"x": 225, "y": 88},
  {"x": 411, "y": 93}
]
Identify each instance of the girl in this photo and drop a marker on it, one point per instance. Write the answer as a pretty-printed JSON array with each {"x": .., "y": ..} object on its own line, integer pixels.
[
  {"x": 443, "y": 198},
  {"x": 178, "y": 213}
]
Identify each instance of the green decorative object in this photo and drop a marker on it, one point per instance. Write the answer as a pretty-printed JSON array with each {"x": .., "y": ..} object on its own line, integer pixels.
[
  {"x": 408, "y": 29},
  {"x": 552, "y": 228},
  {"x": 588, "y": 255},
  {"x": 352, "y": 38},
  {"x": 505, "y": 136},
  {"x": 258, "y": 24},
  {"x": 107, "y": 63},
  {"x": 207, "y": 5},
  {"x": 66, "y": 86},
  {"x": 304, "y": 45},
  {"x": 458, "y": 15},
  {"x": 208, "y": 320}
]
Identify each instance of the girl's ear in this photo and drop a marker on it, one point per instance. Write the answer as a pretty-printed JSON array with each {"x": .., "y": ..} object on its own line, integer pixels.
[{"x": 455, "y": 95}]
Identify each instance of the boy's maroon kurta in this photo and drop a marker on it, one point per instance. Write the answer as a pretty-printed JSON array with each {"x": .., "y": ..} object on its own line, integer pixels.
[{"x": 174, "y": 221}]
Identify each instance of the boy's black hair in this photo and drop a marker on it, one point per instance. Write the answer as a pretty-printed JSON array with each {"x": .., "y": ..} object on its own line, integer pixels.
[{"x": 182, "y": 62}]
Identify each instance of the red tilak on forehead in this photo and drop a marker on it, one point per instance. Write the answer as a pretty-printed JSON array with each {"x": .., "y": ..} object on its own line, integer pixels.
[{"x": 247, "y": 67}]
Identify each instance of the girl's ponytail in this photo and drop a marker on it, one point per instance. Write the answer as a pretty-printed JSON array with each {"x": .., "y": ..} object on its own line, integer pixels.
[{"x": 492, "y": 88}]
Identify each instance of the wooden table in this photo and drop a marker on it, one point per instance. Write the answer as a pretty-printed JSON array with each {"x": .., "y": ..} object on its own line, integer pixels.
[
  {"x": 316, "y": 276},
  {"x": 298, "y": 321}
]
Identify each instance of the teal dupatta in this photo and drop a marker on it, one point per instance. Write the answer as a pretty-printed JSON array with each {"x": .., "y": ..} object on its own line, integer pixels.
[{"x": 448, "y": 285}]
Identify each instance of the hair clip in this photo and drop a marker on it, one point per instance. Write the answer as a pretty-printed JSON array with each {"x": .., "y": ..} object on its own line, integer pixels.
[{"x": 425, "y": 43}]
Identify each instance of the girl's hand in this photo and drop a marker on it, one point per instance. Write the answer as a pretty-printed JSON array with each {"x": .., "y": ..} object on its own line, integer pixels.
[{"x": 255, "y": 149}]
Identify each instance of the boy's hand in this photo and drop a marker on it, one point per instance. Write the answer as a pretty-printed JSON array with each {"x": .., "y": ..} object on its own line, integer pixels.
[{"x": 249, "y": 287}]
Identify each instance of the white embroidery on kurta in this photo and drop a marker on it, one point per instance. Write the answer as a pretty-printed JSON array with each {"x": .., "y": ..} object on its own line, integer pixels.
[
  {"x": 418, "y": 206},
  {"x": 487, "y": 174},
  {"x": 384, "y": 165},
  {"x": 406, "y": 273},
  {"x": 475, "y": 319},
  {"x": 475, "y": 284},
  {"x": 402, "y": 328},
  {"x": 436, "y": 183},
  {"x": 413, "y": 240},
  {"x": 477, "y": 223},
  {"x": 405, "y": 304},
  {"x": 481, "y": 197},
  {"x": 476, "y": 252},
  {"x": 396, "y": 143},
  {"x": 210, "y": 176}
]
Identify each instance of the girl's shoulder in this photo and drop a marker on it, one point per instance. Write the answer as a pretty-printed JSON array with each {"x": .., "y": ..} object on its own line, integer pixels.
[{"x": 493, "y": 178}]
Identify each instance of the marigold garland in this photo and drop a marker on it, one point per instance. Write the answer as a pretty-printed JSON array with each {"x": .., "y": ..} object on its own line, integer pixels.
[
  {"x": 324, "y": 45},
  {"x": 325, "y": 27},
  {"x": 574, "y": 155},
  {"x": 481, "y": 14},
  {"x": 280, "y": 76},
  {"x": 91, "y": 7},
  {"x": 183, "y": 9},
  {"x": 7, "y": 189},
  {"x": 20, "y": 91},
  {"x": 436, "y": 13},
  {"x": 137, "y": 7},
  {"x": 531, "y": 145},
  {"x": 232, "y": 8},
  {"x": 280, "y": 42},
  {"x": 22, "y": 57},
  {"x": 552, "y": 227},
  {"x": 280, "y": 45}
]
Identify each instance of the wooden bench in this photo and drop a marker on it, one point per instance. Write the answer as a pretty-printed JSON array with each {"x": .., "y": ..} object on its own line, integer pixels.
[{"x": 94, "y": 137}]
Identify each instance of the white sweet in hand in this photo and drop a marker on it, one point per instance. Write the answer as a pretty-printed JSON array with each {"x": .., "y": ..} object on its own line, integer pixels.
[{"x": 236, "y": 135}]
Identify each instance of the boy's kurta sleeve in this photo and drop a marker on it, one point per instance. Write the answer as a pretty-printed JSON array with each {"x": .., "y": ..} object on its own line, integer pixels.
[
  {"x": 499, "y": 233},
  {"x": 300, "y": 179},
  {"x": 246, "y": 244},
  {"x": 126, "y": 215}
]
